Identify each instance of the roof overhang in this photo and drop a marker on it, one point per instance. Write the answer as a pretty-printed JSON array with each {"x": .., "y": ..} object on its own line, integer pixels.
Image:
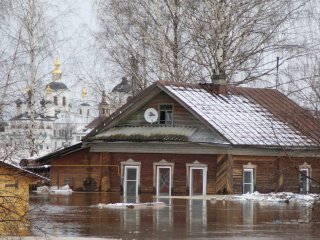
[{"x": 198, "y": 148}]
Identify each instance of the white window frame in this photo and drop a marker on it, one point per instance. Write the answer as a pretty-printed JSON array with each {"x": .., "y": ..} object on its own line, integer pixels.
[
  {"x": 127, "y": 165},
  {"x": 305, "y": 167},
  {"x": 158, "y": 179},
  {"x": 251, "y": 170},
  {"x": 162, "y": 163},
  {"x": 196, "y": 166},
  {"x": 125, "y": 181}
]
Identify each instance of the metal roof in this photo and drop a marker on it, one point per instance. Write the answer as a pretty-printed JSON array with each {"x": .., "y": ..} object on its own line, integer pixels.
[
  {"x": 241, "y": 119},
  {"x": 146, "y": 133}
]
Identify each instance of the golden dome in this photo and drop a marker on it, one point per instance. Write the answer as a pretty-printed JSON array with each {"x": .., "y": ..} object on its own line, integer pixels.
[
  {"x": 56, "y": 73},
  {"x": 84, "y": 92}
]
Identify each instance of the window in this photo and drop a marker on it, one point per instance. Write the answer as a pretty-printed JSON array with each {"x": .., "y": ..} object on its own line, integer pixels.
[
  {"x": 166, "y": 114},
  {"x": 130, "y": 173},
  {"x": 197, "y": 178},
  {"x": 248, "y": 180},
  {"x": 55, "y": 100},
  {"x": 64, "y": 102},
  {"x": 305, "y": 174},
  {"x": 162, "y": 177},
  {"x": 249, "y": 176}
]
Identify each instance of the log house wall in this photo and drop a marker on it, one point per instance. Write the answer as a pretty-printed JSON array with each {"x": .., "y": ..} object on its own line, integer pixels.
[
  {"x": 81, "y": 169},
  {"x": 181, "y": 117},
  {"x": 272, "y": 171},
  {"x": 179, "y": 179}
]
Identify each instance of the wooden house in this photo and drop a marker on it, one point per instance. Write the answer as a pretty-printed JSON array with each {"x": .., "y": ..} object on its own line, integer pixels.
[
  {"x": 14, "y": 197},
  {"x": 190, "y": 139}
]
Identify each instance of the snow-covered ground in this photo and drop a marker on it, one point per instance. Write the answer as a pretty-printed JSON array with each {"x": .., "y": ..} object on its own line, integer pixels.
[{"x": 281, "y": 197}]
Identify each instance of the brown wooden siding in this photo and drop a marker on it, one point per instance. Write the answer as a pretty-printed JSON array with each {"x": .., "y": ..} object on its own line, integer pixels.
[
  {"x": 224, "y": 180},
  {"x": 289, "y": 169},
  {"x": 275, "y": 174},
  {"x": 265, "y": 175},
  {"x": 179, "y": 179},
  {"x": 81, "y": 169},
  {"x": 181, "y": 117},
  {"x": 101, "y": 171}
]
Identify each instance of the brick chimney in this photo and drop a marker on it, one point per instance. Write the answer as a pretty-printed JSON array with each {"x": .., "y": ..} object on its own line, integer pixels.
[{"x": 219, "y": 84}]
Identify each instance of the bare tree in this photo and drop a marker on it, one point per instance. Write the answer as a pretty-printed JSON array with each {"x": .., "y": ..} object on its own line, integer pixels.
[
  {"x": 30, "y": 42},
  {"x": 145, "y": 39},
  {"x": 193, "y": 40}
]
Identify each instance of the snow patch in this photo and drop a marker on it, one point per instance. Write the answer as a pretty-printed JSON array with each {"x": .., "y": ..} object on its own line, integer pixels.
[
  {"x": 43, "y": 189},
  {"x": 132, "y": 205},
  {"x": 65, "y": 190},
  {"x": 285, "y": 197}
]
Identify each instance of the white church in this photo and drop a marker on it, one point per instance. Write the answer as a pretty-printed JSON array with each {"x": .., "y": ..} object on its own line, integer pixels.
[{"x": 60, "y": 121}]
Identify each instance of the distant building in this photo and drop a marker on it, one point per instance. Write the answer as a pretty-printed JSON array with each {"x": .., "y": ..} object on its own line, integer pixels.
[{"x": 58, "y": 118}]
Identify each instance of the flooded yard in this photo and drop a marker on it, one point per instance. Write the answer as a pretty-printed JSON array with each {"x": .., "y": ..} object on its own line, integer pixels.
[{"x": 78, "y": 215}]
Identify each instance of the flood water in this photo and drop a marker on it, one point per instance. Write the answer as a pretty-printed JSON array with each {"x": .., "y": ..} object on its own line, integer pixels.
[{"x": 78, "y": 215}]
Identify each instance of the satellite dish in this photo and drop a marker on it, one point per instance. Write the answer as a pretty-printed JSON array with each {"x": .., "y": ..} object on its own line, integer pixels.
[{"x": 151, "y": 115}]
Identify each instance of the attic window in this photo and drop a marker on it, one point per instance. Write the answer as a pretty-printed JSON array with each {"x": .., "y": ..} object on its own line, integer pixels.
[{"x": 166, "y": 114}]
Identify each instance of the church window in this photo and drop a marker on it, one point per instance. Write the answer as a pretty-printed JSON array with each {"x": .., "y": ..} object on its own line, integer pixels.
[
  {"x": 88, "y": 112},
  {"x": 55, "y": 100},
  {"x": 64, "y": 102}
]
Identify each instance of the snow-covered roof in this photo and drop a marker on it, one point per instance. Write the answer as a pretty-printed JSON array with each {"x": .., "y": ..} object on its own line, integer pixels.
[
  {"x": 238, "y": 119},
  {"x": 24, "y": 171},
  {"x": 242, "y": 116}
]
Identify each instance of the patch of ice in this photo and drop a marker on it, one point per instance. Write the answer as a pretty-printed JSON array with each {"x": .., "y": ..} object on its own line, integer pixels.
[
  {"x": 43, "y": 189},
  {"x": 286, "y": 197},
  {"x": 65, "y": 190},
  {"x": 132, "y": 205}
]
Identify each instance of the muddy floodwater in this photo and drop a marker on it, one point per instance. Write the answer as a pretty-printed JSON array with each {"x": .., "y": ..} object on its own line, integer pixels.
[{"x": 77, "y": 215}]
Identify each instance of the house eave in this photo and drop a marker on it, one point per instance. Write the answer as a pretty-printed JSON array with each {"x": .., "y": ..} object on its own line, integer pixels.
[{"x": 199, "y": 148}]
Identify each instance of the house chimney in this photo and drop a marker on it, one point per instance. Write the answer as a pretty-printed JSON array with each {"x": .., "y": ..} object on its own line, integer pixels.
[{"x": 219, "y": 84}]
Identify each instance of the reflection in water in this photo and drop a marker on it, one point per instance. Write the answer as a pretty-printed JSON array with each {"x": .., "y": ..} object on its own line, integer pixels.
[
  {"x": 78, "y": 215},
  {"x": 197, "y": 216},
  {"x": 248, "y": 213},
  {"x": 162, "y": 217}
]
